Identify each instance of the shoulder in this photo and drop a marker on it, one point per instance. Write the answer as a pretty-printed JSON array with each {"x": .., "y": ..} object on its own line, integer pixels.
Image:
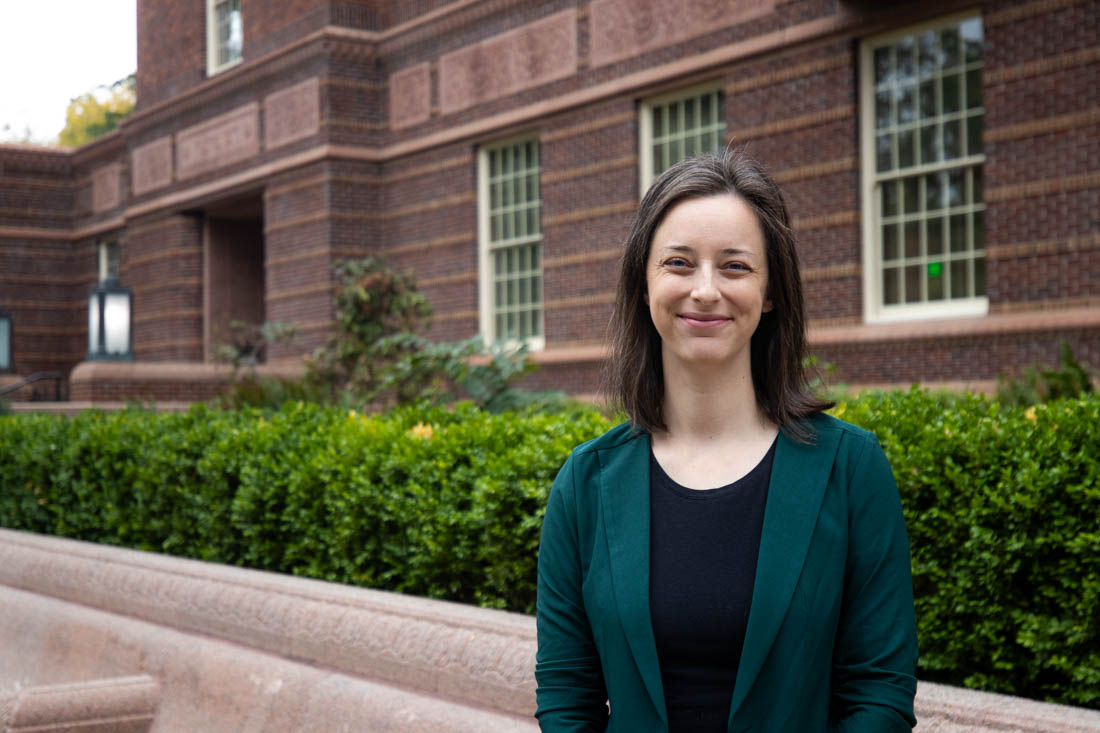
[
  {"x": 844, "y": 431},
  {"x": 619, "y": 436},
  {"x": 849, "y": 445}
]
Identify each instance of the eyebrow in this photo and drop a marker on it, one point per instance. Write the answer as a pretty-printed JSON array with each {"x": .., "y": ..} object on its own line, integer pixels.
[{"x": 689, "y": 250}]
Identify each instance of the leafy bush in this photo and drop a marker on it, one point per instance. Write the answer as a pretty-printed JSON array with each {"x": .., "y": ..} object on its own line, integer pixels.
[
  {"x": 1040, "y": 383},
  {"x": 1002, "y": 505}
]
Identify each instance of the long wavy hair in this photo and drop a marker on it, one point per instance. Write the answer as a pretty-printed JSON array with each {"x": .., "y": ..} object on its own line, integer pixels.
[{"x": 633, "y": 373}]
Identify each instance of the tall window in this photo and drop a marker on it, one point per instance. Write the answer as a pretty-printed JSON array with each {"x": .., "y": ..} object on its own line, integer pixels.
[
  {"x": 924, "y": 216},
  {"x": 510, "y": 240},
  {"x": 678, "y": 125},
  {"x": 224, "y": 34}
]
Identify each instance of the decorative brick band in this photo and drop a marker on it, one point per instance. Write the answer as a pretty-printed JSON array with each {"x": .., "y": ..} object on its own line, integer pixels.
[
  {"x": 169, "y": 254},
  {"x": 832, "y": 272},
  {"x": 790, "y": 73},
  {"x": 162, "y": 285},
  {"x": 458, "y": 277},
  {"x": 841, "y": 112},
  {"x": 319, "y": 217},
  {"x": 169, "y": 344},
  {"x": 463, "y": 238},
  {"x": 273, "y": 191},
  {"x": 1086, "y": 302},
  {"x": 1045, "y": 126},
  {"x": 52, "y": 330},
  {"x": 826, "y": 221},
  {"x": 596, "y": 212},
  {"x": 45, "y": 279},
  {"x": 308, "y": 254},
  {"x": 1042, "y": 66},
  {"x": 1086, "y": 243},
  {"x": 456, "y": 316},
  {"x": 354, "y": 124},
  {"x": 817, "y": 170},
  {"x": 580, "y": 301},
  {"x": 457, "y": 161},
  {"x": 323, "y": 289},
  {"x": 461, "y": 199},
  {"x": 1027, "y": 10},
  {"x": 138, "y": 229},
  {"x": 178, "y": 313},
  {"x": 1044, "y": 187},
  {"x": 582, "y": 257},
  {"x": 47, "y": 305},
  {"x": 603, "y": 166},
  {"x": 585, "y": 128}
]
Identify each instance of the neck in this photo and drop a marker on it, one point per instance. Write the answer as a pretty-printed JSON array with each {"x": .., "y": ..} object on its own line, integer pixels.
[{"x": 703, "y": 404}]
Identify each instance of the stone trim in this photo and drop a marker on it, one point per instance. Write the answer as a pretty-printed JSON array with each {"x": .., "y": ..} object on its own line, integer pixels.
[
  {"x": 273, "y": 191},
  {"x": 308, "y": 254},
  {"x": 323, "y": 289},
  {"x": 121, "y": 705},
  {"x": 170, "y": 254},
  {"x": 456, "y": 316},
  {"x": 178, "y": 282},
  {"x": 459, "y": 199},
  {"x": 458, "y": 277},
  {"x": 429, "y": 169},
  {"x": 1045, "y": 306},
  {"x": 832, "y": 272}
]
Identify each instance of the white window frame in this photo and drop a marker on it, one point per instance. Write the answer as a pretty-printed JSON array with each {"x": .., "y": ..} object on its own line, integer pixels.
[
  {"x": 645, "y": 126},
  {"x": 874, "y": 310},
  {"x": 486, "y": 273},
  {"x": 212, "y": 65},
  {"x": 108, "y": 260}
]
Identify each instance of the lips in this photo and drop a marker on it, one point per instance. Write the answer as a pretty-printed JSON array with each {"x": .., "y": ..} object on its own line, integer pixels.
[{"x": 704, "y": 320}]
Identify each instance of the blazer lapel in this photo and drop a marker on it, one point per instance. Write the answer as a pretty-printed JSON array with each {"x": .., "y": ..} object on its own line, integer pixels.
[
  {"x": 800, "y": 473},
  {"x": 624, "y": 491}
]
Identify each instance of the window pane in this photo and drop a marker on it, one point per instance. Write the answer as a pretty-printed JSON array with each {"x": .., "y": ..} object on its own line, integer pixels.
[
  {"x": 890, "y": 242},
  {"x": 971, "y": 32},
  {"x": 933, "y": 192},
  {"x": 949, "y": 47},
  {"x": 658, "y": 122},
  {"x": 976, "y": 184},
  {"x": 883, "y": 63},
  {"x": 890, "y": 198},
  {"x": 959, "y": 279},
  {"x": 912, "y": 284},
  {"x": 979, "y": 231},
  {"x": 883, "y": 113},
  {"x": 930, "y": 143},
  {"x": 934, "y": 235},
  {"x": 974, "y": 135},
  {"x": 883, "y": 160},
  {"x": 910, "y": 188},
  {"x": 907, "y": 100},
  {"x": 973, "y": 89},
  {"x": 956, "y": 185},
  {"x": 935, "y": 281},
  {"x": 891, "y": 290},
  {"x": 979, "y": 276},
  {"x": 951, "y": 94},
  {"x": 929, "y": 52},
  {"x": 927, "y": 99},
  {"x": 912, "y": 239},
  {"x": 906, "y": 142},
  {"x": 952, "y": 144},
  {"x": 904, "y": 57},
  {"x": 958, "y": 233}
]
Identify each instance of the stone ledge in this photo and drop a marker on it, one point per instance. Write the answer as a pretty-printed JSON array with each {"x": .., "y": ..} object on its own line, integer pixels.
[
  {"x": 118, "y": 705},
  {"x": 242, "y": 650}
]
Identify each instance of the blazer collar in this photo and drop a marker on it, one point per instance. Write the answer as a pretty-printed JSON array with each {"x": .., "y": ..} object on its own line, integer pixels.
[{"x": 799, "y": 475}]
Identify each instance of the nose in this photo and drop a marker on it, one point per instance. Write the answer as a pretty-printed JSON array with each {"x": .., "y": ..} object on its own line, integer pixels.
[{"x": 705, "y": 289}]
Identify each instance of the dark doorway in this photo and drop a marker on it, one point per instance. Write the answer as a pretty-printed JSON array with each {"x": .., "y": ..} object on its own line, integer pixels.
[{"x": 233, "y": 272}]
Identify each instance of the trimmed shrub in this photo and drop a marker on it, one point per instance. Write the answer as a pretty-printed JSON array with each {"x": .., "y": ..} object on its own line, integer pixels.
[{"x": 1002, "y": 506}]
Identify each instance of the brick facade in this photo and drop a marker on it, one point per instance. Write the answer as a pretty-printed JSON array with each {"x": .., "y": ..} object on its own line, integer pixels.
[{"x": 353, "y": 128}]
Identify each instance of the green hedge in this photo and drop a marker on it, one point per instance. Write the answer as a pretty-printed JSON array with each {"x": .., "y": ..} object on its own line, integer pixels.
[{"x": 1002, "y": 505}]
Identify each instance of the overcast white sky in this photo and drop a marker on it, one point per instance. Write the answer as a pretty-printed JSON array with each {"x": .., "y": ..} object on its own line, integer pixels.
[{"x": 54, "y": 50}]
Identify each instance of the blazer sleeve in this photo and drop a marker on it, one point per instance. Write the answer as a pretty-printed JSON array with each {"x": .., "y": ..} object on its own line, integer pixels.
[
  {"x": 875, "y": 657},
  {"x": 571, "y": 694}
]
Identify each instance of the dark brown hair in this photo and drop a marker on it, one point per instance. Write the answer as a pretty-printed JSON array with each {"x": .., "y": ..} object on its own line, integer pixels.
[{"x": 633, "y": 375}]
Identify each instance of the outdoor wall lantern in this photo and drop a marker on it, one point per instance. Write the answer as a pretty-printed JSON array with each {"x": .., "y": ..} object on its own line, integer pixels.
[
  {"x": 110, "y": 328},
  {"x": 5, "y": 341}
]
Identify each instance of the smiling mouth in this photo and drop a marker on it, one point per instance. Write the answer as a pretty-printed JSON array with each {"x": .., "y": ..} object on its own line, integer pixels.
[{"x": 703, "y": 320}]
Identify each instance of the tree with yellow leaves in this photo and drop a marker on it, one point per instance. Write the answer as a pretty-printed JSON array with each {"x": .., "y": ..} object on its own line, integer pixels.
[{"x": 87, "y": 117}]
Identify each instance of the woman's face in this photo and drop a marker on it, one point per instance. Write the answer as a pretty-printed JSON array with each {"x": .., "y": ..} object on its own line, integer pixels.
[{"x": 707, "y": 282}]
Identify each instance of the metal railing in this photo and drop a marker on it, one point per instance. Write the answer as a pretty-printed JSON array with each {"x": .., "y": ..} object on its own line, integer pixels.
[{"x": 36, "y": 395}]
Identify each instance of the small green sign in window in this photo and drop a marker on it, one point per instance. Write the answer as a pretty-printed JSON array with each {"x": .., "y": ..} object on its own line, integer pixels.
[{"x": 935, "y": 269}]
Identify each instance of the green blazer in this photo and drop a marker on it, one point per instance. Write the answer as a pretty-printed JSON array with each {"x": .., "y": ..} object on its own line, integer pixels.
[{"x": 831, "y": 642}]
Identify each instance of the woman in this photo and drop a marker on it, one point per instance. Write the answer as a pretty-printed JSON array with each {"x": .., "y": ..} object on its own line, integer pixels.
[{"x": 732, "y": 559}]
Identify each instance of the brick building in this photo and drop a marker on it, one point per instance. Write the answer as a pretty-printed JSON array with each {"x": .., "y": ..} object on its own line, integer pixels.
[{"x": 942, "y": 163}]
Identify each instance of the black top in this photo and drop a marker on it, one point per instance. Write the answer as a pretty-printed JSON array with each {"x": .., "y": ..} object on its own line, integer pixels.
[{"x": 702, "y": 565}]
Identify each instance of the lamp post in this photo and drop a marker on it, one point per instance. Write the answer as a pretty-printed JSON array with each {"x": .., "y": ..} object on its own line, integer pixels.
[
  {"x": 110, "y": 327},
  {"x": 5, "y": 341}
]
